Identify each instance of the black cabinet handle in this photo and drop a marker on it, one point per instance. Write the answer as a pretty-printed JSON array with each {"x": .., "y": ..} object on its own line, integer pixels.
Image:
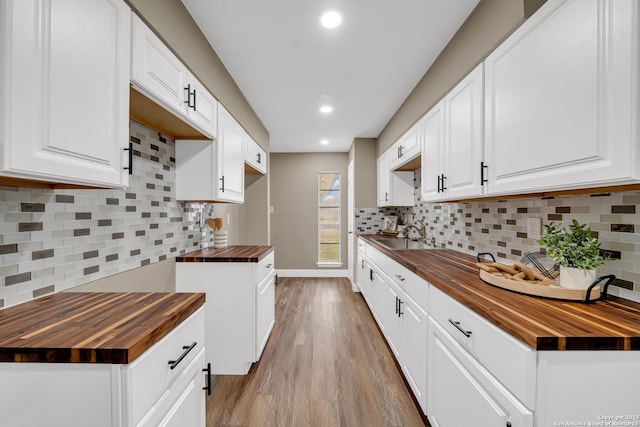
[
  {"x": 458, "y": 327},
  {"x": 259, "y": 155},
  {"x": 386, "y": 197},
  {"x": 397, "y": 308},
  {"x": 443, "y": 187},
  {"x": 208, "y": 386},
  {"x": 400, "y": 277},
  {"x": 130, "y": 150},
  {"x": 400, "y": 312},
  {"x": 222, "y": 180},
  {"x": 370, "y": 274},
  {"x": 189, "y": 93},
  {"x": 187, "y": 349},
  {"x": 482, "y": 176}
]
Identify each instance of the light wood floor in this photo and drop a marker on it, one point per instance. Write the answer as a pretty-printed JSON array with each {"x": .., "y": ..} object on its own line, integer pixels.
[{"x": 326, "y": 364}]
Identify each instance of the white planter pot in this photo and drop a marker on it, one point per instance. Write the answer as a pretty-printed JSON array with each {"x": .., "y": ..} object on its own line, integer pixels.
[{"x": 576, "y": 278}]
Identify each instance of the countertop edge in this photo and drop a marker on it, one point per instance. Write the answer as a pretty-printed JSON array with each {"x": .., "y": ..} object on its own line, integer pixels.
[{"x": 226, "y": 255}]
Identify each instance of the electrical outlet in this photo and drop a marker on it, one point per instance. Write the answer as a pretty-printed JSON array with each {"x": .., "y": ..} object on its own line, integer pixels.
[{"x": 534, "y": 227}]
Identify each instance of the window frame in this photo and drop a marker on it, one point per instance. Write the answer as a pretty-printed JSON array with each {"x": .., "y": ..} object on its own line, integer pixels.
[{"x": 338, "y": 262}]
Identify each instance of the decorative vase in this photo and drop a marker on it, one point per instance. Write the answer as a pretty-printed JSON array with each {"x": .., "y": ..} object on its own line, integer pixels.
[
  {"x": 576, "y": 278},
  {"x": 220, "y": 239}
]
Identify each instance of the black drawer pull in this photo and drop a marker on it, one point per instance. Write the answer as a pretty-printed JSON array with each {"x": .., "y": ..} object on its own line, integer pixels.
[
  {"x": 130, "y": 150},
  {"x": 187, "y": 349},
  {"x": 458, "y": 327},
  {"x": 208, "y": 386}
]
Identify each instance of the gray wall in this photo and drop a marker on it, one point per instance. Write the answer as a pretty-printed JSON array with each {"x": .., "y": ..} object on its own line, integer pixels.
[
  {"x": 294, "y": 189},
  {"x": 490, "y": 23},
  {"x": 363, "y": 155}
]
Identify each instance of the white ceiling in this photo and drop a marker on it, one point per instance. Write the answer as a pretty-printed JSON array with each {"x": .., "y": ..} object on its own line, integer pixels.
[{"x": 282, "y": 59}]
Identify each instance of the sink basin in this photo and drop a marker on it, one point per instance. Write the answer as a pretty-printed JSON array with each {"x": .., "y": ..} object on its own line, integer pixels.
[{"x": 402, "y": 244}]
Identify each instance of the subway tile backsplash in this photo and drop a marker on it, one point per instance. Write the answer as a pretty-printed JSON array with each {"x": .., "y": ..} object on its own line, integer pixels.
[
  {"x": 52, "y": 240},
  {"x": 500, "y": 227}
]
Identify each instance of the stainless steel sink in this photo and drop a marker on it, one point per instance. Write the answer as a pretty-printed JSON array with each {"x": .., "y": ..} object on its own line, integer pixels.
[{"x": 402, "y": 244}]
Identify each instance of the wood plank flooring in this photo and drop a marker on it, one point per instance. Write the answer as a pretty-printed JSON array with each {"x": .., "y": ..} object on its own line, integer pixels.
[{"x": 326, "y": 364}]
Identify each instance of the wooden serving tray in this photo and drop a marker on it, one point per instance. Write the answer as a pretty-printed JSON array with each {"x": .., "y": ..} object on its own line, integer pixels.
[{"x": 540, "y": 290}]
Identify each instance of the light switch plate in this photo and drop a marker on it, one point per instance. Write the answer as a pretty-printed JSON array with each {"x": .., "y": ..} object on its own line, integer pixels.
[{"x": 534, "y": 227}]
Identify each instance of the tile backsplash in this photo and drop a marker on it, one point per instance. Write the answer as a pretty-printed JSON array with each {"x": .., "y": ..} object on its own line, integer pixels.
[
  {"x": 52, "y": 240},
  {"x": 500, "y": 227}
]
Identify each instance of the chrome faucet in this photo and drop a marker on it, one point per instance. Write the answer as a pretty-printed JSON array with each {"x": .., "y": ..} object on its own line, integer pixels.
[{"x": 422, "y": 230}]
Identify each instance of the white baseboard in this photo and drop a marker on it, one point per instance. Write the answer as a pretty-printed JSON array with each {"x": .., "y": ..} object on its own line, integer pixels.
[{"x": 312, "y": 273}]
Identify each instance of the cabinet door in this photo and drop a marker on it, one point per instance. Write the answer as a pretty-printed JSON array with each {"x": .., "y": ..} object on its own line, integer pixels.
[
  {"x": 255, "y": 156},
  {"x": 391, "y": 315},
  {"x": 562, "y": 100},
  {"x": 64, "y": 68},
  {"x": 156, "y": 70},
  {"x": 414, "y": 349},
  {"x": 184, "y": 404},
  {"x": 229, "y": 158},
  {"x": 432, "y": 152},
  {"x": 202, "y": 107},
  {"x": 407, "y": 148},
  {"x": 266, "y": 312},
  {"x": 464, "y": 134},
  {"x": 455, "y": 396},
  {"x": 384, "y": 180}
]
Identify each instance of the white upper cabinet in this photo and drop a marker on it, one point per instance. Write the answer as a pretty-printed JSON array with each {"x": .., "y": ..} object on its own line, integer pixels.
[
  {"x": 394, "y": 188},
  {"x": 452, "y": 142},
  {"x": 64, "y": 103},
  {"x": 254, "y": 157},
  {"x": 562, "y": 99},
  {"x": 229, "y": 161},
  {"x": 155, "y": 70},
  {"x": 407, "y": 149},
  {"x": 160, "y": 75}
]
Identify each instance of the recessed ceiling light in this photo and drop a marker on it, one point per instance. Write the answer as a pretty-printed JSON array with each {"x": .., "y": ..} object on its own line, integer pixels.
[
  {"x": 324, "y": 142},
  {"x": 326, "y": 109},
  {"x": 330, "y": 18}
]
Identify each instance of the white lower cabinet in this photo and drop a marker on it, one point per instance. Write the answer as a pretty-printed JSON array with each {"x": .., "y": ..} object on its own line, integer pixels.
[
  {"x": 466, "y": 371},
  {"x": 402, "y": 321},
  {"x": 414, "y": 349},
  {"x": 462, "y": 393},
  {"x": 240, "y": 310},
  {"x": 150, "y": 391}
]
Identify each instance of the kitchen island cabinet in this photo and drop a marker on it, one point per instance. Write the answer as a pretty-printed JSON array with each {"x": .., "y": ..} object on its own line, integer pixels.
[
  {"x": 64, "y": 109},
  {"x": 514, "y": 358},
  {"x": 239, "y": 282},
  {"x": 103, "y": 359}
]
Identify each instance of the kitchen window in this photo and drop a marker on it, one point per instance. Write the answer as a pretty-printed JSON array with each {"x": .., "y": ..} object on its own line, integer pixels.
[{"x": 329, "y": 227}]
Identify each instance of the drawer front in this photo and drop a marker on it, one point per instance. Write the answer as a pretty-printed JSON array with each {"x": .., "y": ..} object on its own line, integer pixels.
[
  {"x": 509, "y": 360},
  {"x": 264, "y": 268},
  {"x": 150, "y": 375},
  {"x": 377, "y": 258},
  {"x": 184, "y": 403},
  {"x": 414, "y": 286}
]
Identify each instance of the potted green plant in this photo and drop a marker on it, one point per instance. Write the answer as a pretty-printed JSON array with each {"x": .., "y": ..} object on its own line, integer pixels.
[{"x": 576, "y": 250}]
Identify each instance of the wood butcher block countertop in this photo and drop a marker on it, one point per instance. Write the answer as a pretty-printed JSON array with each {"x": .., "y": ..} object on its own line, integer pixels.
[
  {"x": 94, "y": 327},
  {"x": 541, "y": 323},
  {"x": 228, "y": 254}
]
